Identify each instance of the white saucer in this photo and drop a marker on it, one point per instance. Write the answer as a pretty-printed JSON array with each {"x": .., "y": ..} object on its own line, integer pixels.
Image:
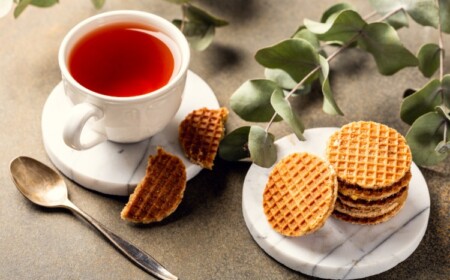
[
  {"x": 339, "y": 250},
  {"x": 113, "y": 168}
]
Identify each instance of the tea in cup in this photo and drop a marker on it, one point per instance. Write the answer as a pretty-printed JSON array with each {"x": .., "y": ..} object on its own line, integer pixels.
[{"x": 124, "y": 72}]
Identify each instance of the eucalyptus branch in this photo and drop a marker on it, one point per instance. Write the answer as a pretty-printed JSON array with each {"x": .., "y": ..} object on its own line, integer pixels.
[
  {"x": 388, "y": 15},
  {"x": 441, "y": 48}
]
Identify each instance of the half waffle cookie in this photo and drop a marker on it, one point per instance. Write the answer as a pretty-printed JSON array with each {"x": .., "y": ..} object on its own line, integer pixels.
[
  {"x": 200, "y": 134},
  {"x": 160, "y": 192},
  {"x": 369, "y": 154},
  {"x": 300, "y": 194}
]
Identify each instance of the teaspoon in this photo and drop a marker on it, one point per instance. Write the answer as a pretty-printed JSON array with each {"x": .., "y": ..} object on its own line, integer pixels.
[{"x": 43, "y": 186}]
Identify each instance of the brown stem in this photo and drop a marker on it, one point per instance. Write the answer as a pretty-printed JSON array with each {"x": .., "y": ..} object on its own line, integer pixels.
[{"x": 441, "y": 47}]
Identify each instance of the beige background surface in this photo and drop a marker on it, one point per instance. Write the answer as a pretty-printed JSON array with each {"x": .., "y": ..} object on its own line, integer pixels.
[{"x": 206, "y": 238}]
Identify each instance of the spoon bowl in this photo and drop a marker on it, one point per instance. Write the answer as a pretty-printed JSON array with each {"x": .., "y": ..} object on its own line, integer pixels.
[
  {"x": 38, "y": 182},
  {"x": 43, "y": 186}
]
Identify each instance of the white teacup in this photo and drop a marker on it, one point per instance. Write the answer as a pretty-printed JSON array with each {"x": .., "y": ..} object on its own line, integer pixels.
[{"x": 97, "y": 117}]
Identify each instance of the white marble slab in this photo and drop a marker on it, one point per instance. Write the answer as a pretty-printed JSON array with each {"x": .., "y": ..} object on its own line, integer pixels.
[
  {"x": 114, "y": 168},
  {"x": 339, "y": 250}
]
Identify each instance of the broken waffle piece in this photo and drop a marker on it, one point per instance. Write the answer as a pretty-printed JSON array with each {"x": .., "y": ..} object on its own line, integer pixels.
[
  {"x": 300, "y": 194},
  {"x": 200, "y": 134},
  {"x": 160, "y": 191}
]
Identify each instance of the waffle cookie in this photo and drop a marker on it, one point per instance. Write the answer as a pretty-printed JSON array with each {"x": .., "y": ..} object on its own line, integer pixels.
[
  {"x": 372, "y": 162},
  {"x": 200, "y": 134},
  {"x": 384, "y": 206},
  {"x": 369, "y": 154},
  {"x": 160, "y": 191},
  {"x": 356, "y": 192},
  {"x": 373, "y": 219},
  {"x": 300, "y": 194}
]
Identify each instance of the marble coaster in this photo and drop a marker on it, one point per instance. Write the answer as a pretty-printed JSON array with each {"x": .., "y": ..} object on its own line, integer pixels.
[
  {"x": 339, "y": 250},
  {"x": 113, "y": 168}
]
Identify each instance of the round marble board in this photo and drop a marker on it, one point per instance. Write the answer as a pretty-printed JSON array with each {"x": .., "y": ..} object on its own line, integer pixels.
[
  {"x": 339, "y": 250},
  {"x": 114, "y": 168}
]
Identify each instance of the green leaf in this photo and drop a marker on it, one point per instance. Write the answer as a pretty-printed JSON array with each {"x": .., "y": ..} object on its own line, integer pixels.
[
  {"x": 280, "y": 77},
  {"x": 342, "y": 28},
  {"x": 251, "y": 101},
  {"x": 21, "y": 7},
  {"x": 199, "y": 35},
  {"x": 195, "y": 14},
  {"x": 43, "y": 3},
  {"x": 329, "y": 104},
  {"x": 285, "y": 81},
  {"x": 98, "y": 4},
  {"x": 234, "y": 145},
  {"x": 262, "y": 147},
  {"x": 424, "y": 136},
  {"x": 303, "y": 33},
  {"x": 334, "y": 10},
  {"x": 444, "y": 10},
  {"x": 444, "y": 111},
  {"x": 425, "y": 99},
  {"x": 428, "y": 57},
  {"x": 284, "y": 109},
  {"x": 295, "y": 56},
  {"x": 381, "y": 40},
  {"x": 424, "y": 12}
]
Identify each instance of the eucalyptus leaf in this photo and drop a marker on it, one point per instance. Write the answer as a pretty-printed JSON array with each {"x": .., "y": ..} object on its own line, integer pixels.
[
  {"x": 428, "y": 57},
  {"x": 199, "y": 35},
  {"x": 424, "y": 12},
  {"x": 444, "y": 10},
  {"x": 262, "y": 147},
  {"x": 334, "y": 10},
  {"x": 43, "y": 3},
  {"x": 329, "y": 104},
  {"x": 381, "y": 40},
  {"x": 251, "y": 101},
  {"x": 342, "y": 28},
  {"x": 234, "y": 146},
  {"x": 284, "y": 109},
  {"x": 295, "y": 56},
  {"x": 195, "y": 14},
  {"x": 425, "y": 134},
  {"x": 280, "y": 77},
  {"x": 425, "y": 99},
  {"x": 21, "y": 6},
  {"x": 285, "y": 81},
  {"x": 98, "y": 4},
  {"x": 303, "y": 33},
  {"x": 444, "y": 111}
]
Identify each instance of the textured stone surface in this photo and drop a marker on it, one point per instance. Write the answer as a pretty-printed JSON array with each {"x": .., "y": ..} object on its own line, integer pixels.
[{"x": 206, "y": 238}]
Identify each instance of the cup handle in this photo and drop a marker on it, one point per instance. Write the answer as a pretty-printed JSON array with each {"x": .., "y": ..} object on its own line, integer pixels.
[{"x": 75, "y": 124}]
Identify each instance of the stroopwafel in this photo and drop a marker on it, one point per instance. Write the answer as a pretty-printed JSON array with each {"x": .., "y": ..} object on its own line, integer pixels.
[
  {"x": 371, "y": 220},
  {"x": 369, "y": 154},
  {"x": 300, "y": 194},
  {"x": 200, "y": 134},
  {"x": 160, "y": 191}
]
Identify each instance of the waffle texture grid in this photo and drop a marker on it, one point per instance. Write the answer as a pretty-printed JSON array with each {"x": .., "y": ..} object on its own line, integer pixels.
[
  {"x": 200, "y": 134},
  {"x": 369, "y": 154},
  {"x": 300, "y": 194}
]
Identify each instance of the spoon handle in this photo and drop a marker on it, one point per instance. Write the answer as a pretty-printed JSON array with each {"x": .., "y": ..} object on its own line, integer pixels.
[{"x": 139, "y": 257}]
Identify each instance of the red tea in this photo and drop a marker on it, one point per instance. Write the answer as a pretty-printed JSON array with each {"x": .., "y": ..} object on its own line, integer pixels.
[{"x": 122, "y": 60}]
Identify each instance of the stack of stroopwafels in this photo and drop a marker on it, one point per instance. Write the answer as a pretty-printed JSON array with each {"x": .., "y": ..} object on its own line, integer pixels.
[
  {"x": 300, "y": 194},
  {"x": 372, "y": 162}
]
